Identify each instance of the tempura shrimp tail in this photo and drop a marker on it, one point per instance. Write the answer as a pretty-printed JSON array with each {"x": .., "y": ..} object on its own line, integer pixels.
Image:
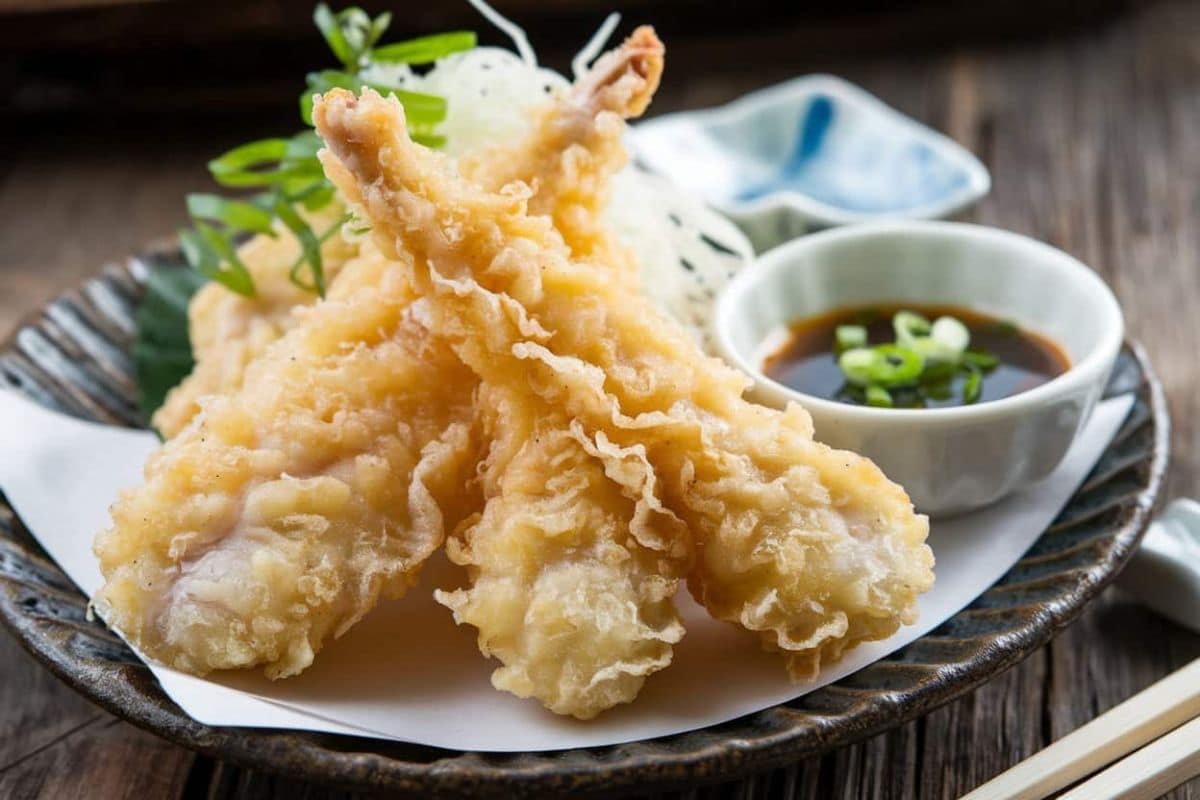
[
  {"x": 575, "y": 148},
  {"x": 624, "y": 79}
]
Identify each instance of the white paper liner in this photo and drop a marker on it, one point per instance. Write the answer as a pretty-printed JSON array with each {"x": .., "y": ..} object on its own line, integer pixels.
[{"x": 407, "y": 673}]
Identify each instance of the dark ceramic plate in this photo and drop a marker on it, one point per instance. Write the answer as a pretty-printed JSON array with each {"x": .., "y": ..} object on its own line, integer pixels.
[{"x": 74, "y": 357}]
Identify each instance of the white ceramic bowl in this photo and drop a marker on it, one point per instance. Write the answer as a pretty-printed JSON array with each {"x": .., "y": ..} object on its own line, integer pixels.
[{"x": 954, "y": 459}]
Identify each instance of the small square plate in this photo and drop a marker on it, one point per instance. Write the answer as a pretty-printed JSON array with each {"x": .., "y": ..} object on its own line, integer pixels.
[{"x": 811, "y": 153}]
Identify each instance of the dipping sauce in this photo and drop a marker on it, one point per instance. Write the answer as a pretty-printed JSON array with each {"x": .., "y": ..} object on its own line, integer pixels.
[{"x": 808, "y": 360}]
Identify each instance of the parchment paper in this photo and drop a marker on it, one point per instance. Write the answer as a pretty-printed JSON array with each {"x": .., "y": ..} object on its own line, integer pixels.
[{"x": 406, "y": 672}]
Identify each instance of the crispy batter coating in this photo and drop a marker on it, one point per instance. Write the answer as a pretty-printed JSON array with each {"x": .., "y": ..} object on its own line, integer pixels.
[
  {"x": 229, "y": 330},
  {"x": 569, "y": 156},
  {"x": 576, "y": 148},
  {"x": 572, "y": 563},
  {"x": 276, "y": 519},
  {"x": 240, "y": 587},
  {"x": 814, "y": 549}
]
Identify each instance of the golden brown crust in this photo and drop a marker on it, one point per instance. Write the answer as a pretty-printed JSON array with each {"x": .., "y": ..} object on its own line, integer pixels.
[
  {"x": 811, "y": 547},
  {"x": 568, "y": 159},
  {"x": 276, "y": 518}
]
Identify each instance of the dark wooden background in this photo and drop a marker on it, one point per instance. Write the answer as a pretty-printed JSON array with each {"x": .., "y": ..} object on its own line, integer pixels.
[{"x": 1087, "y": 114}]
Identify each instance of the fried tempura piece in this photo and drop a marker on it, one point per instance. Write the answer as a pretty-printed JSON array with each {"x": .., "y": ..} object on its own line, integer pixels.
[
  {"x": 275, "y": 519},
  {"x": 572, "y": 563},
  {"x": 812, "y": 548},
  {"x": 575, "y": 149},
  {"x": 229, "y": 330},
  {"x": 570, "y": 156}
]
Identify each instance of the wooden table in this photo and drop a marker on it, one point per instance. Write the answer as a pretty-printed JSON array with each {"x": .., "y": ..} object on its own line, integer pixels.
[{"x": 1092, "y": 139}]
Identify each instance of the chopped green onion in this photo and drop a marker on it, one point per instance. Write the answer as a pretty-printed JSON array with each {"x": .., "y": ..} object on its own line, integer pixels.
[
  {"x": 937, "y": 370},
  {"x": 233, "y": 213},
  {"x": 330, "y": 26},
  {"x": 424, "y": 50},
  {"x": 887, "y": 365},
  {"x": 951, "y": 334},
  {"x": 303, "y": 146},
  {"x": 316, "y": 196},
  {"x": 268, "y": 177},
  {"x": 919, "y": 367},
  {"x": 419, "y": 108},
  {"x": 858, "y": 365},
  {"x": 896, "y": 366},
  {"x": 309, "y": 245},
  {"x": 430, "y": 140},
  {"x": 849, "y": 337},
  {"x": 206, "y": 249},
  {"x": 267, "y": 162},
  {"x": 908, "y": 325},
  {"x": 247, "y": 156},
  {"x": 879, "y": 397},
  {"x": 933, "y": 351},
  {"x": 973, "y": 386},
  {"x": 378, "y": 27},
  {"x": 984, "y": 361},
  {"x": 288, "y": 170}
]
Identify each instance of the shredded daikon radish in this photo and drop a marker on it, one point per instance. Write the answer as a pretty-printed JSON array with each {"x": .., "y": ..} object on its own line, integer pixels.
[
  {"x": 587, "y": 55},
  {"x": 514, "y": 31}
]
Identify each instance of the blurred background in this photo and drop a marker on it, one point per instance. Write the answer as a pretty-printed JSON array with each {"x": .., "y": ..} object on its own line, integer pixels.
[
  {"x": 110, "y": 57},
  {"x": 110, "y": 108}
]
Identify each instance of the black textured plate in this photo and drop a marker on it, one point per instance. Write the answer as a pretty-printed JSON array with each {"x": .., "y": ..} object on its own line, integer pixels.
[{"x": 74, "y": 357}]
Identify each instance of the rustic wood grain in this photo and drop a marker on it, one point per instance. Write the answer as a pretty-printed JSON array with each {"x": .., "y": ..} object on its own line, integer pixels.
[{"x": 1092, "y": 140}]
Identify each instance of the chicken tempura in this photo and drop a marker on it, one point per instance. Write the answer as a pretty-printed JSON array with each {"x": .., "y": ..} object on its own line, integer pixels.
[
  {"x": 275, "y": 519},
  {"x": 569, "y": 156},
  {"x": 812, "y": 548}
]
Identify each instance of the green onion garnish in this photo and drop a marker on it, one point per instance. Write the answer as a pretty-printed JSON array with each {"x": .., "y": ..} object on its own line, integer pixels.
[
  {"x": 424, "y": 50},
  {"x": 233, "y": 213},
  {"x": 950, "y": 334},
  {"x": 419, "y": 109},
  {"x": 908, "y": 325},
  {"x": 213, "y": 255},
  {"x": 917, "y": 368},
  {"x": 896, "y": 366},
  {"x": 879, "y": 397},
  {"x": 849, "y": 337},
  {"x": 983, "y": 361},
  {"x": 973, "y": 385},
  {"x": 887, "y": 365},
  {"x": 287, "y": 172},
  {"x": 858, "y": 364}
]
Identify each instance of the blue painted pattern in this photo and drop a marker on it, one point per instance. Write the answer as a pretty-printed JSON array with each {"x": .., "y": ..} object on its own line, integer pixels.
[{"x": 849, "y": 160}]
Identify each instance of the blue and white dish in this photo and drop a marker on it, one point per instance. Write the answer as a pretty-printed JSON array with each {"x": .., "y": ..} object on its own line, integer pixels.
[{"x": 811, "y": 153}]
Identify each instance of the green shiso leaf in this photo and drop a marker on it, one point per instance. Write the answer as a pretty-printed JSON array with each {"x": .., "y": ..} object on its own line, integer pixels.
[{"x": 162, "y": 353}]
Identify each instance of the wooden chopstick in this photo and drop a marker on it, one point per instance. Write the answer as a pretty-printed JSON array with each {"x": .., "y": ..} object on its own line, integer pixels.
[
  {"x": 1150, "y": 772},
  {"x": 1142, "y": 718}
]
